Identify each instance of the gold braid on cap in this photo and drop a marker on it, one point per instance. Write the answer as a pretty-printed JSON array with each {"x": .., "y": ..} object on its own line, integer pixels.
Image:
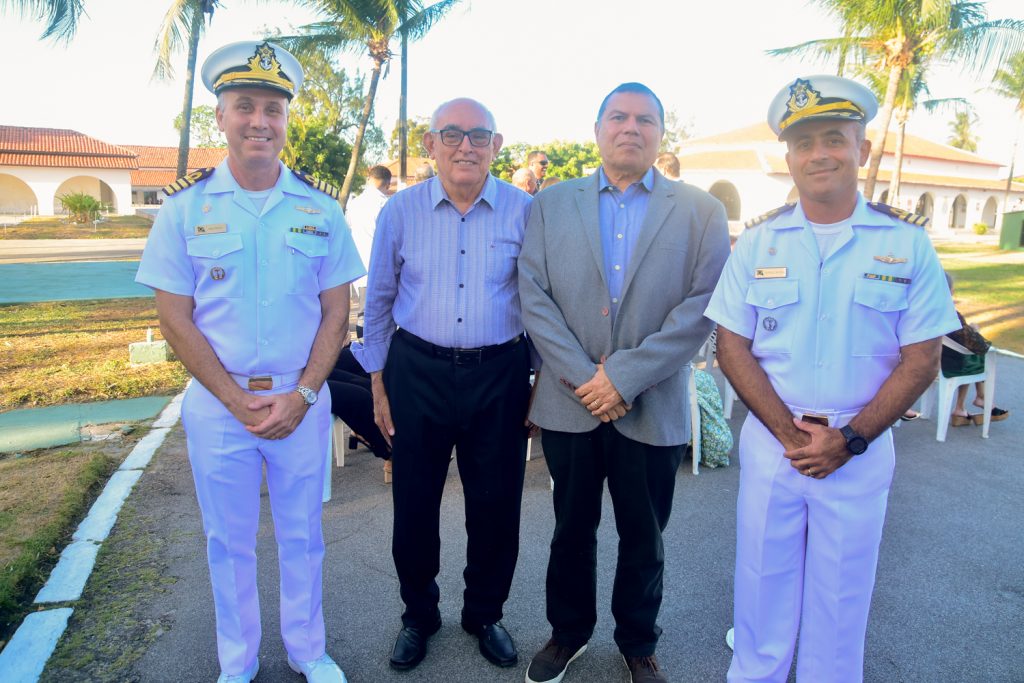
[
  {"x": 262, "y": 69},
  {"x": 804, "y": 102}
]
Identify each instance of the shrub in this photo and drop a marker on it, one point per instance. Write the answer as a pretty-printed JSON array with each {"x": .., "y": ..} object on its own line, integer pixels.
[
  {"x": 980, "y": 228},
  {"x": 81, "y": 207}
]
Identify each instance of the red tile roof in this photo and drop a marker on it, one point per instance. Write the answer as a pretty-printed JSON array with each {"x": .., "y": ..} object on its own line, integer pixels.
[
  {"x": 58, "y": 147},
  {"x": 162, "y": 158}
]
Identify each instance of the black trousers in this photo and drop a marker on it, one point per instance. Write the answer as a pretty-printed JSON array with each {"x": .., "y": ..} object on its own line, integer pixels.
[
  {"x": 641, "y": 481},
  {"x": 479, "y": 409},
  {"x": 352, "y": 401}
]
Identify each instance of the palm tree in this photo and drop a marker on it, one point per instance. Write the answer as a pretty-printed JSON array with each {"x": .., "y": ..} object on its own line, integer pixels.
[
  {"x": 183, "y": 23},
  {"x": 912, "y": 92},
  {"x": 891, "y": 35},
  {"x": 358, "y": 25},
  {"x": 960, "y": 134},
  {"x": 60, "y": 16},
  {"x": 1009, "y": 82}
]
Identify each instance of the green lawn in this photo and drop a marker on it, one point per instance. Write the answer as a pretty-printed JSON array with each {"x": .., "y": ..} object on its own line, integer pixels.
[
  {"x": 57, "y": 227},
  {"x": 989, "y": 290}
]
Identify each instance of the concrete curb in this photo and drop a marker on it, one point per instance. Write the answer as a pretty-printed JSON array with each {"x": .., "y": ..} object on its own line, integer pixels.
[{"x": 25, "y": 656}]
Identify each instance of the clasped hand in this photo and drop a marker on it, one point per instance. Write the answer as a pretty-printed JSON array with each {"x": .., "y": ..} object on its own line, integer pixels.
[
  {"x": 284, "y": 412},
  {"x": 825, "y": 453},
  {"x": 601, "y": 398}
]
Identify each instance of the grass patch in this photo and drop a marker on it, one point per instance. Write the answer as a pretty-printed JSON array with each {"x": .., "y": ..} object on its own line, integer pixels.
[
  {"x": 41, "y": 502},
  {"x": 989, "y": 290},
  {"x": 73, "y": 351},
  {"x": 57, "y": 227},
  {"x": 108, "y": 632}
]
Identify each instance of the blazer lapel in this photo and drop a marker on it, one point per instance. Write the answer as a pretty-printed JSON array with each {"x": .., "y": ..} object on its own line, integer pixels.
[
  {"x": 586, "y": 202},
  {"x": 658, "y": 209}
]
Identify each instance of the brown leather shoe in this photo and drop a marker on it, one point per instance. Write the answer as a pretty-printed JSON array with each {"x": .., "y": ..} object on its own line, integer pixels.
[
  {"x": 645, "y": 670},
  {"x": 549, "y": 665}
]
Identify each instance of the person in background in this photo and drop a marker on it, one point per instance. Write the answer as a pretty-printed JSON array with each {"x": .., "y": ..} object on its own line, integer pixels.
[
  {"x": 525, "y": 181},
  {"x": 537, "y": 162},
  {"x": 668, "y": 164}
]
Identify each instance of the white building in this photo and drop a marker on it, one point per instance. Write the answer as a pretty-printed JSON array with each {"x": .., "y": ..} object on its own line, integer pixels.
[{"x": 746, "y": 170}]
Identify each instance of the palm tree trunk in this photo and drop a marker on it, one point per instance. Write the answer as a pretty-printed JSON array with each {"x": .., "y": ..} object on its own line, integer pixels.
[
  {"x": 357, "y": 146},
  {"x": 403, "y": 141},
  {"x": 897, "y": 171},
  {"x": 1013, "y": 158},
  {"x": 190, "y": 77},
  {"x": 878, "y": 146}
]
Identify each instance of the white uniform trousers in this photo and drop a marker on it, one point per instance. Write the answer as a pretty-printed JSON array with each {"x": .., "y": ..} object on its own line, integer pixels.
[
  {"x": 806, "y": 553},
  {"x": 227, "y": 464}
]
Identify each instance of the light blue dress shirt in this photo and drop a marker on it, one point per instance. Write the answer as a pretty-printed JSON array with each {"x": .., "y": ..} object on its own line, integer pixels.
[
  {"x": 828, "y": 331},
  {"x": 448, "y": 278},
  {"x": 621, "y": 215},
  {"x": 255, "y": 276}
]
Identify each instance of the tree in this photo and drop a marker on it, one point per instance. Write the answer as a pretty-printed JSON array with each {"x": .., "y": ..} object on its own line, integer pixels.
[
  {"x": 675, "y": 132},
  {"x": 566, "y": 159},
  {"x": 316, "y": 149},
  {"x": 961, "y": 136},
  {"x": 510, "y": 158},
  {"x": 205, "y": 132},
  {"x": 416, "y": 128},
  {"x": 358, "y": 25},
  {"x": 1009, "y": 82},
  {"x": 890, "y": 35},
  {"x": 60, "y": 17},
  {"x": 183, "y": 24}
]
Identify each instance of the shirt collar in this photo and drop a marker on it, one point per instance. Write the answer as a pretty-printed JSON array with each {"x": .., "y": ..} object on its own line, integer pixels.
[
  {"x": 797, "y": 218},
  {"x": 223, "y": 181},
  {"x": 647, "y": 181},
  {"x": 438, "y": 195}
]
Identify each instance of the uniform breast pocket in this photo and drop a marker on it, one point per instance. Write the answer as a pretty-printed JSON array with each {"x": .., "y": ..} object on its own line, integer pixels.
[
  {"x": 218, "y": 264},
  {"x": 877, "y": 309},
  {"x": 501, "y": 261},
  {"x": 305, "y": 253},
  {"x": 776, "y": 302}
]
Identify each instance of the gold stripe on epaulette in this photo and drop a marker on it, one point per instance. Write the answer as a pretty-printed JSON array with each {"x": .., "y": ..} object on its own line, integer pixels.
[
  {"x": 767, "y": 215},
  {"x": 188, "y": 180},
  {"x": 899, "y": 214}
]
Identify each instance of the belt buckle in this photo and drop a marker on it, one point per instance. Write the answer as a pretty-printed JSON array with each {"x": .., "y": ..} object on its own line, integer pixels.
[
  {"x": 815, "y": 418},
  {"x": 467, "y": 356},
  {"x": 262, "y": 383}
]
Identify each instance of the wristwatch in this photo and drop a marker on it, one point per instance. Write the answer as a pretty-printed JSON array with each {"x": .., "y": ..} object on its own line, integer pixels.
[
  {"x": 855, "y": 443},
  {"x": 308, "y": 395}
]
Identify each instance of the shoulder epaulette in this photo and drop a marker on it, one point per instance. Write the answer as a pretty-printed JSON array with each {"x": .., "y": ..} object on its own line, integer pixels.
[
  {"x": 899, "y": 214},
  {"x": 188, "y": 180},
  {"x": 768, "y": 215},
  {"x": 321, "y": 185}
]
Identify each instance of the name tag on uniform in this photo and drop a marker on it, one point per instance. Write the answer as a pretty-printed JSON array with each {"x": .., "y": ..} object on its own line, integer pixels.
[
  {"x": 309, "y": 230},
  {"x": 307, "y": 209},
  {"x": 211, "y": 228},
  {"x": 887, "y": 278},
  {"x": 770, "y": 273}
]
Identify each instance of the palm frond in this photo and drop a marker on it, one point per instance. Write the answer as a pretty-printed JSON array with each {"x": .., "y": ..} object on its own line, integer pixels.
[
  {"x": 59, "y": 17},
  {"x": 172, "y": 35}
]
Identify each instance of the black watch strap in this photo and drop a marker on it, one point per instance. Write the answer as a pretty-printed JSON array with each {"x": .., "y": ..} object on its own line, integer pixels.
[{"x": 855, "y": 443}]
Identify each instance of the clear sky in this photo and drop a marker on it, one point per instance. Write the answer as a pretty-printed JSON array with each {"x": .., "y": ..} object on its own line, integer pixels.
[{"x": 542, "y": 66}]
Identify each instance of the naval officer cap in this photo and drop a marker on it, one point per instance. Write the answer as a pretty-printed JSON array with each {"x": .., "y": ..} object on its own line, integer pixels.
[
  {"x": 252, "y": 64},
  {"x": 812, "y": 98}
]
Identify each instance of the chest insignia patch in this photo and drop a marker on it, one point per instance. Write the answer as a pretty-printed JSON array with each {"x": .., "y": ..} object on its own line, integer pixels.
[
  {"x": 217, "y": 273},
  {"x": 211, "y": 228},
  {"x": 769, "y": 324},
  {"x": 309, "y": 230},
  {"x": 307, "y": 209},
  {"x": 887, "y": 278},
  {"x": 890, "y": 259},
  {"x": 770, "y": 273}
]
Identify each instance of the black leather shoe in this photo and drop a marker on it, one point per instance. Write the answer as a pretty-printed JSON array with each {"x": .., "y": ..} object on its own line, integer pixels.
[
  {"x": 495, "y": 643},
  {"x": 411, "y": 646}
]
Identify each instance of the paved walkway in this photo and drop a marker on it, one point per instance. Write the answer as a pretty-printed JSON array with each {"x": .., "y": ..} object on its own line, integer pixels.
[
  {"x": 949, "y": 602},
  {"x": 30, "y": 428},
  {"x": 31, "y": 251}
]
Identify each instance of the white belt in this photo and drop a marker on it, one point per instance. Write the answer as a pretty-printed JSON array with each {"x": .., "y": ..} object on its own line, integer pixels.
[
  {"x": 266, "y": 382},
  {"x": 836, "y": 418}
]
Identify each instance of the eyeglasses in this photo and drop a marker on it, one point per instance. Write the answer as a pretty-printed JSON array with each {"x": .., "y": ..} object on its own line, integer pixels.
[
  {"x": 543, "y": 163},
  {"x": 452, "y": 137}
]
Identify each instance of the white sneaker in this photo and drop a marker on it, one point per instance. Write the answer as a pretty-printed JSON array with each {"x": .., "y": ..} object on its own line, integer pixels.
[
  {"x": 730, "y": 637},
  {"x": 242, "y": 677},
  {"x": 319, "y": 670}
]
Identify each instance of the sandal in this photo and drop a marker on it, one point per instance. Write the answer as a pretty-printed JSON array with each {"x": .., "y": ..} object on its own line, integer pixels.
[
  {"x": 910, "y": 415},
  {"x": 962, "y": 420},
  {"x": 998, "y": 415}
]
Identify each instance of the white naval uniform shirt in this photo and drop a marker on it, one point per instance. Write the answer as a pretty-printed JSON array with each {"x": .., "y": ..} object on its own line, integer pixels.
[
  {"x": 255, "y": 276},
  {"x": 828, "y": 332}
]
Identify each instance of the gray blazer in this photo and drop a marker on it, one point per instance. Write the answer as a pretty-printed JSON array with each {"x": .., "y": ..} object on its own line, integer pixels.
[{"x": 660, "y": 325}]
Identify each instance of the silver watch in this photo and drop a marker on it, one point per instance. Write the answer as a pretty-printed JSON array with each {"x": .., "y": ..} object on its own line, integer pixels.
[{"x": 308, "y": 395}]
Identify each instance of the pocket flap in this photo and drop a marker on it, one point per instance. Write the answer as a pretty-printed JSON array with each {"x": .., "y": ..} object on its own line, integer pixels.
[
  {"x": 773, "y": 293},
  {"x": 310, "y": 245},
  {"x": 880, "y": 295},
  {"x": 213, "y": 246}
]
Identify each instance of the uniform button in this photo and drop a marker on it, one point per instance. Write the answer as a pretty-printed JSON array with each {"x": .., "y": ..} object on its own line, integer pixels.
[
  {"x": 622, "y": 206},
  {"x": 618, "y": 267},
  {"x": 883, "y": 303},
  {"x": 821, "y": 364},
  {"x": 615, "y": 301},
  {"x": 823, "y": 316},
  {"x": 264, "y": 303},
  {"x": 825, "y": 271},
  {"x": 216, "y": 252},
  {"x": 264, "y": 263},
  {"x": 770, "y": 302},
  {"x": 619, "y": 235},
  {"x": 263, "y": 342}
]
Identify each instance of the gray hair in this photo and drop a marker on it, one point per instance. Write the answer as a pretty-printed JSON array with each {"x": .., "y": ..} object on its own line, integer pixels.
[{"x": 460, "y": 100}]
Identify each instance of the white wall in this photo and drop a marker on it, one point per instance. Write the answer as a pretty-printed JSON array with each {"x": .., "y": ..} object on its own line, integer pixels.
[{"x": 47, "y": 183}]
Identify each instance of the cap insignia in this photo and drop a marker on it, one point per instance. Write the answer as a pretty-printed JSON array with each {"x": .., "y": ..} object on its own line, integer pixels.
[{"x": 802, "y": 95}]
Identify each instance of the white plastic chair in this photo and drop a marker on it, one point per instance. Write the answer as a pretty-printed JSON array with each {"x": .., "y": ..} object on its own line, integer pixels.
[
  {"x": 946, "y": 389},
  {"x": 694, "y": 416}
]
